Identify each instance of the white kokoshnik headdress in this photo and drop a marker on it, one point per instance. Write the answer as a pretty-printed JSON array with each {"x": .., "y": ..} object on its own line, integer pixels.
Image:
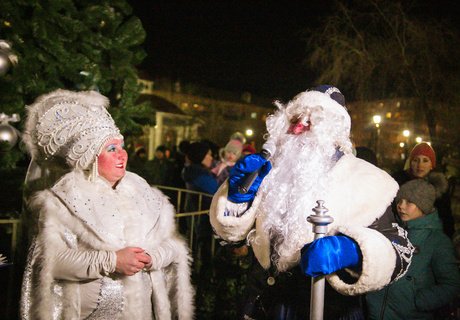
[
  {"x": 71, "y": 125},
  {"x": 66, "y": 125}
]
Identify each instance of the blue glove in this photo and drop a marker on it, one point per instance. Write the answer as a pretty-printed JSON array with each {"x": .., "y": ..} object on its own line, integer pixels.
[
  {"x": 329, "y": 254},
  {"x": 243, "y": 168}
]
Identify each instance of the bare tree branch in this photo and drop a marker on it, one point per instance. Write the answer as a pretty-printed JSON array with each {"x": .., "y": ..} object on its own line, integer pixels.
[{"x": 379, "y": 49}]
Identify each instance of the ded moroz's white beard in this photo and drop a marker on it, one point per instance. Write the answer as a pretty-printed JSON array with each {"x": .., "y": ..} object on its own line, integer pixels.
[{"x": 298, "y": 179}]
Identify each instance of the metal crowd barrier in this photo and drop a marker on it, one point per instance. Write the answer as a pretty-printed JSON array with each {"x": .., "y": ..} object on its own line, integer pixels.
[
  {"x": 14, "y": 224},
  {"x": 179, "y": 205}
]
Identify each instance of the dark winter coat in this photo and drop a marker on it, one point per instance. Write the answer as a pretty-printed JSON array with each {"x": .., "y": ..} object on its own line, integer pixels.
[
  {"x": 159, "y": 172},
  {"x": 198, "y": 178},
  {"x": 433, "y": 279}
]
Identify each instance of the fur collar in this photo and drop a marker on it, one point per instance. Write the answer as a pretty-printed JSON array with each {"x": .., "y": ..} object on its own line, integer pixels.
[
  {"x": 83, "y": 198},
  {"x": 360, "y": 192}
]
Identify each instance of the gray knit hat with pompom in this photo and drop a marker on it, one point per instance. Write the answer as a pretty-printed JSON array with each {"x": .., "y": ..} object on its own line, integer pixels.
[{"x": 420, "y": 192}]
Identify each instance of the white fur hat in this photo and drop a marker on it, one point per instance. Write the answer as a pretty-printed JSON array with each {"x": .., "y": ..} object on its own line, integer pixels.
[
  {"x": 328, "y": 97},
  {"x": 327, "y": 100},
  {"x": 71, "y": 125}
]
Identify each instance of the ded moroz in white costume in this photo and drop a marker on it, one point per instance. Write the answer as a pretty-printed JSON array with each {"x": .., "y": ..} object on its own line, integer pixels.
[
  {"x": 83, "y": 220},
  {"x": 313, "y": 161}
]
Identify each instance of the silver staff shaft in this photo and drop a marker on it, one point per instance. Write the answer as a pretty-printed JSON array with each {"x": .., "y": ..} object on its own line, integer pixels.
[{"x": 320, "y": 221}]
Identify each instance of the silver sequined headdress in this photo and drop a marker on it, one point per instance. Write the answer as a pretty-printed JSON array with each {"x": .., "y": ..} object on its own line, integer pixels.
[{"x": 71, "y": 125}]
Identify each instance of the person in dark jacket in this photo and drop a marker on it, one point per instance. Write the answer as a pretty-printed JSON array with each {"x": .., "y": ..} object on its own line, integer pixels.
[
  {"x": 367, "y": 154},
  {"x": 198, "y": 177},
  {"x": 197, "y": 174},
  {"x": 421, "y": 165},
  {"x": 138, "y": 160},
  {"x": 160, "y": 169},
  {"x": 433, "y": 278}
]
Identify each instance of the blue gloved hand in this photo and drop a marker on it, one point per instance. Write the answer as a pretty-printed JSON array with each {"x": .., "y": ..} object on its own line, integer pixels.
[
  {"x": 329, "y": 254},
  {"x": 238, "y": 174}
]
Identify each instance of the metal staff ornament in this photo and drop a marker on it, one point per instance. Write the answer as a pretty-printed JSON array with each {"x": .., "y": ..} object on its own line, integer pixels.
[{"x": 320, "y": 221}]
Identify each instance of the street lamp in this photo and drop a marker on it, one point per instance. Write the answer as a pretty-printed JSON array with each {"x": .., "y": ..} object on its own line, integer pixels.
[
  {"x": 406, "y": 134},
  {"x": 249, "y": 132},
  {"x": 377, "y": 119},
  {"x": 418, "y": 139},
  {"x": 402, "y": 145}
]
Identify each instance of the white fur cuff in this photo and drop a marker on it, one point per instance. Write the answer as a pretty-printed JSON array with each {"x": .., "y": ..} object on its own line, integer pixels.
[
  {"x": 379, "y": 261},
  {"x": 230, "y": 228}
]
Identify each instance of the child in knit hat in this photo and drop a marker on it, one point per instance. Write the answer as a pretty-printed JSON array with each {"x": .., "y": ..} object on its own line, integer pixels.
[
  {"x": 421, "y": 164},
  {"x": 228, "y": 157},
  {"x": 433, "y": 278},
  {"x": 415, "y": 199}
]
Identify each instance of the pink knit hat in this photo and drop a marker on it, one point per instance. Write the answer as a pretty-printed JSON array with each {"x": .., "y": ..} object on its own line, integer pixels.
[{"x": 234, "y": 146}]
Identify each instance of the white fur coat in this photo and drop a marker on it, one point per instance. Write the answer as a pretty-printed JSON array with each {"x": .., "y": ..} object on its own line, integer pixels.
[
  {"x": 93, "y": 221},
  {"x": 359, "y": 194}
]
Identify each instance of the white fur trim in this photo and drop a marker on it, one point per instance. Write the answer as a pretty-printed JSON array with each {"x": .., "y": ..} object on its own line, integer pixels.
[
  {"x": 359, "y": 192},
  {"x": 231, "y": 228},
  {"x": 159, "y": 297},
  {"x": 379, "y": 260},
  {"x": 316, "y": 98},
  {"x": 260, "y": 243},
  {"x": 237, "y": 228},
  {"x": 56, "y": 220}
]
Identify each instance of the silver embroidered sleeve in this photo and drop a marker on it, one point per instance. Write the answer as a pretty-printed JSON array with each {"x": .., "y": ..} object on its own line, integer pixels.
[
  {"x": 111, "y": 301},
  {"x": 235, "y": 209},
  {"x": 404, "y": 250}
]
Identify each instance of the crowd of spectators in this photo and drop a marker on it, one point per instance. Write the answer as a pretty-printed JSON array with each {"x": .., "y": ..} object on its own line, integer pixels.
[
  {"x": 431, "y": 287},
  {"x": 203, "y": 166}
]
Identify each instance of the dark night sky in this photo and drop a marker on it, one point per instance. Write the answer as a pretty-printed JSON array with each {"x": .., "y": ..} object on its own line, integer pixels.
[{"x": 247, "y": 45}]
